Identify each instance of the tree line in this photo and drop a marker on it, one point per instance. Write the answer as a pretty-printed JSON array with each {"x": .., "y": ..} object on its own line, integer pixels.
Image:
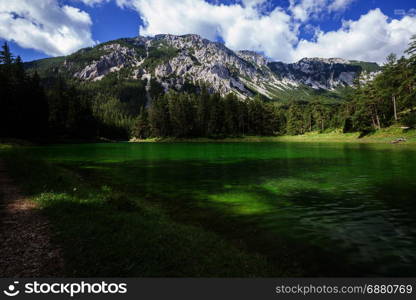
[
  {"x": 55, "y": 107},
  {"x": 210, "y": 115},
  {"x": 30, "y": 108},
  {"x": 23, "y": 107},
  {"x": 388, "y": 98}
]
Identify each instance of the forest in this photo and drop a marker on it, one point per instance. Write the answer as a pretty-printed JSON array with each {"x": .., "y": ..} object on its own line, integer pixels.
[{"x": 120, "y": 108}]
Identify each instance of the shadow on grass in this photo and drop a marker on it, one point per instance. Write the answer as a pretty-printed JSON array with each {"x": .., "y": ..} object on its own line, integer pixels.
[
  {"x": 366, "y": 133},
  {"x": 100, "y": 240}
]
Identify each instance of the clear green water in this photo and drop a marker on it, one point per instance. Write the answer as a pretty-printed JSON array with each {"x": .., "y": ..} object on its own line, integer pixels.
[{"x": 347, "y": 206}]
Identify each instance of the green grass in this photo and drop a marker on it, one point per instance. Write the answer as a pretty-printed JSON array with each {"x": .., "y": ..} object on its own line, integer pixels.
[
  {"x": 5, "y": 146},
  {"x": 9, "y": 143},
  {"x": 383, "y": 136},
  {"x": 106, "y": 232}
]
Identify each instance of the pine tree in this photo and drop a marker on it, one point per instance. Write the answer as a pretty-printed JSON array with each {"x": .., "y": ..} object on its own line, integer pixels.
[
  {"x": 231, "y": 115},
  {"x": 159, "y": 118},
  {"x": 295, "y": 120},
  {"x": 203, "y": 112},
  {"x": 409, "y": 82},
  {"x": 142, "y": 127},
  {"x": 411, "y": 51},
  {"x": 6, "y": 56},
  {"x": 389, "y": 82},
  {"x": 215, "y": 122}
]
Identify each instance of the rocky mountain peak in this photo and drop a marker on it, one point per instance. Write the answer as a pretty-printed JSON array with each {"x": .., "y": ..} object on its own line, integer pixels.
[
  {"x": 253, "y": 57},
  {"x": 175, "y": 61}
]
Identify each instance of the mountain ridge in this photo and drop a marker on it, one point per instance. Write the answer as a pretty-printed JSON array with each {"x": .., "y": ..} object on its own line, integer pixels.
[{"x": 175, "y": 61}]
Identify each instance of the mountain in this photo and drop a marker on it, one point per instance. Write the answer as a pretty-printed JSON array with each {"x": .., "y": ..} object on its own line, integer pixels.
[{"x": 190, "y": 60}]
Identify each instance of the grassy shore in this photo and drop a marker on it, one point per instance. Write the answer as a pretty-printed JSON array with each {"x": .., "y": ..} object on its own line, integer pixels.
[
  {"x": 383, "y": 136},
  {"x": 10, "y": 143},
  {"x": 5, "y": 146}
]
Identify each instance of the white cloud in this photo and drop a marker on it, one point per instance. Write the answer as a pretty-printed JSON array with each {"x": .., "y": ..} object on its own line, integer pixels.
[
  {"x": 371, "y": 38},
  {"x": 303, "y": 10},
  {"x": 92, "y": 2},
  {"x": 252, "y": 3},
  {"x": 45, "y": 25},
  {"x": 57, "y": 30},
  {"x": 241, "y": 27},
  {"x": 339, "y": 5},
  {"x": 276, "y": 33}
]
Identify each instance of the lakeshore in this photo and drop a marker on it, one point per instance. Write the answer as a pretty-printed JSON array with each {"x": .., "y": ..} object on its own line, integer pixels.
[{"x": 382, "y": 136}]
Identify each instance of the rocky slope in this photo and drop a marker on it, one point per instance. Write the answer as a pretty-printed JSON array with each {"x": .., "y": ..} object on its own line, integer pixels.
[{"x": 176, "y": 61}]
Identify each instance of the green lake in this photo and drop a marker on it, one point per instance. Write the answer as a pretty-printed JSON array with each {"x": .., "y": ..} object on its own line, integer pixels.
[{"x": 350, "y": 209}]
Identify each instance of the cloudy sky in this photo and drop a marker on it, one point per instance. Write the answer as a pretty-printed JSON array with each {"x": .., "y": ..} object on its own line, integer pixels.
[{"x": 283, "y": 30}]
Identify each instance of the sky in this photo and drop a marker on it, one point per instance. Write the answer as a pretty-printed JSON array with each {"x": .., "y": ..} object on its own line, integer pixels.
[{"x": 282, "y": 30}]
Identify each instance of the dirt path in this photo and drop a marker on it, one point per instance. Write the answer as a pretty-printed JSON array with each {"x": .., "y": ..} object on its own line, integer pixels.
[{"x": 25, "y": 246}]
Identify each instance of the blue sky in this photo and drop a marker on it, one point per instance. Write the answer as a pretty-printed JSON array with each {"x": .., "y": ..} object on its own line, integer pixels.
[{"x": 284, "y": 30}]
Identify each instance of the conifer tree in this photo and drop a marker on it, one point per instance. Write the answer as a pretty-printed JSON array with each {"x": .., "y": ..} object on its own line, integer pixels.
[{"x": 6, "y": 56}]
